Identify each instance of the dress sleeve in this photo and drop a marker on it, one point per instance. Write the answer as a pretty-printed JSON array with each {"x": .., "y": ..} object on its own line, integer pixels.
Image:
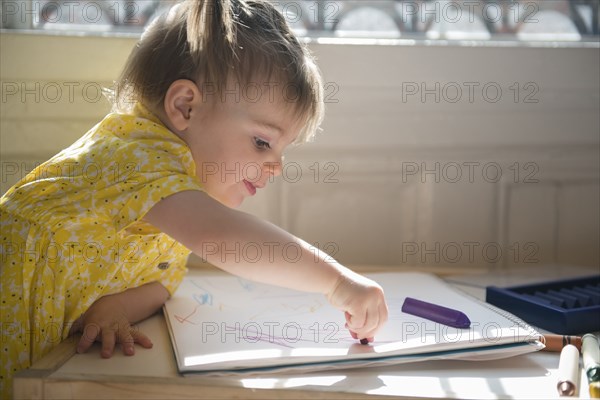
[
  {"x": 148, "y": 191},
  {"x": 154, "y": 170},
  {"x": 169, "y": 270}
]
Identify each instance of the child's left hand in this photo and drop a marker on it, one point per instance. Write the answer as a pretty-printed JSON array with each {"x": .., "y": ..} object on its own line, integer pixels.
[
  {"x": 363, "y": 303},
  {"x": 106, "y": 321}
]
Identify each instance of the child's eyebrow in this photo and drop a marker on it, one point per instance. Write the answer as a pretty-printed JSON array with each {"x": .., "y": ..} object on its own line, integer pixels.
[{"x": 269, "y": 126}]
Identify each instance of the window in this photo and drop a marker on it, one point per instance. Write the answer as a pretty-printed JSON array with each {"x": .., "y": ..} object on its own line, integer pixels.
[
  {"x": 81, "y": 16},
  {"x": 459, "y": 20}
]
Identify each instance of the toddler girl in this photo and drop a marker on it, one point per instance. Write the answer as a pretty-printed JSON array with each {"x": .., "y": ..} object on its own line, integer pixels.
[{"x": 96, "y": 239}]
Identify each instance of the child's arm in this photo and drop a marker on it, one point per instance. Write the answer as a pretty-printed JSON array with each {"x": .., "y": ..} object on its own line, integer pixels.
[
  {"x": 258, "y": 250},
  {"x": 110, "y": 318}
]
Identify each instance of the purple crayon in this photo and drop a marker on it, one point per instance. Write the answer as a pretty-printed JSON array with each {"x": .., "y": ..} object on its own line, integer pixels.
[{"x": 435, "y": 313}]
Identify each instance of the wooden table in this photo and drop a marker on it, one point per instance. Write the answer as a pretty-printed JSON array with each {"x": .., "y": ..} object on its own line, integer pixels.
[{"x": 152, "y": 373}]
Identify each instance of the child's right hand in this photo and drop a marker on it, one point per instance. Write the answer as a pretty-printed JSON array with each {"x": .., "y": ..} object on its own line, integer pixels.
[
  {"x": 363, "y": 302},
  {"x": 109, "y": 319},
  {"x": 106, "y": 321}
]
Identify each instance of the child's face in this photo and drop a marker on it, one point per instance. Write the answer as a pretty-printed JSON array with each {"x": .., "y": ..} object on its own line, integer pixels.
[{"x": 238, "y": 145}]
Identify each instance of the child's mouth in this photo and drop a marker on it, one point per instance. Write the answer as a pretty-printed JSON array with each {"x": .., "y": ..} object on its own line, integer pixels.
[{"x": 251, "y": 188}]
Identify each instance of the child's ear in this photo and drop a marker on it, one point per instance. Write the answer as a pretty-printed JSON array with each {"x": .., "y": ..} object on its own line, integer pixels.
[{"x": 182, "y": 98}]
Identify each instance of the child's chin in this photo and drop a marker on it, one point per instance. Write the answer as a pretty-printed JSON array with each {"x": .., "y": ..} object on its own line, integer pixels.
[{"x": 233, "y": 203}]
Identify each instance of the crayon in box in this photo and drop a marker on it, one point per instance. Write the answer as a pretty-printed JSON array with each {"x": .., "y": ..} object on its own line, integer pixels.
[{"x": 569, "y": 306}]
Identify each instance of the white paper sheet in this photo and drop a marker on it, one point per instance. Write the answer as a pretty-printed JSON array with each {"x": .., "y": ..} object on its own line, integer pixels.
[{"x": 224, "y": 324}]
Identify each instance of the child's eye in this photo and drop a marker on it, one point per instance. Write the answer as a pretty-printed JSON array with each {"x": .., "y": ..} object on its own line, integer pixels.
[{"x": 261, "y": 144}]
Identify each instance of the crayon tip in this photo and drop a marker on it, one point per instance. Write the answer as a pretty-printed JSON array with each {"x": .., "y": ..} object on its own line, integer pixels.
[
  {"x": 463, "y": 321},
  {"x": 364, "y": 341},
  {"x": 566, "y": 388},
  {"x": 593, "y": 374}
]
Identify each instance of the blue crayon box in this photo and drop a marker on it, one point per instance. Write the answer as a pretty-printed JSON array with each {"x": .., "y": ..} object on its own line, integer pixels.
[{"x": 567, "y": 307}]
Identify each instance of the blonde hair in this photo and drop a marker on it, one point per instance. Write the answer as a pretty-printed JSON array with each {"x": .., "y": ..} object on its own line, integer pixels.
[{"x": 216, "y": 41}]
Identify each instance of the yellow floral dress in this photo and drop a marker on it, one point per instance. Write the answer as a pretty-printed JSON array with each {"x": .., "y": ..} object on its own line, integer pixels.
[{"x": 72, "y": 231}]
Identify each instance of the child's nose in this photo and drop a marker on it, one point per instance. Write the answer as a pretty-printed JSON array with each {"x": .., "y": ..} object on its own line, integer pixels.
[{"x": 273, "y": 168}]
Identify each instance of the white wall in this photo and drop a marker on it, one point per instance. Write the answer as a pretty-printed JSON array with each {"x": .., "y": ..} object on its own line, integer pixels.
[
  {"x": 380, "y": 206},
  {"x": 371, "y": 201}
]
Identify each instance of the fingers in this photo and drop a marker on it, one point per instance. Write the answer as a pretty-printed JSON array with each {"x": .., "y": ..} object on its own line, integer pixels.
[
  {"x": 371, "y": 324},
  {"x": 365, "y": 323},
  {"x": 126, "y": 340},
  {"x": 108, "y": 342},
  {"x": 356, "y": 321},
  {"x": 109, "y": 336},
  {"x": 90, "y": 333},
  {"x": 357, "y": 324},
  {"x": 141, "y": 339}
]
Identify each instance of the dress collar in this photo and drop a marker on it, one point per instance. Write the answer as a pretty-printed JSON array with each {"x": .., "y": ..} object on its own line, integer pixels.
[{"x": 140, "y": 110}]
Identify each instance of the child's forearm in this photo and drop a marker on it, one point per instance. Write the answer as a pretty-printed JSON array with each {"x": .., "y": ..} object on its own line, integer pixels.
[
  {"x": 258, "y": 250},
  {"x": 243, "y": 244},
  {"x": 141, "y": 302}
]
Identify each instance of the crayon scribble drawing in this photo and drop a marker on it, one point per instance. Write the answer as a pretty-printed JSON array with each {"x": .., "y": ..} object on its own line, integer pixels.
[
  {"x": 269, "y": 302},
  {"x": 185, "y": 319},
  {"x": 254, "y": 313},
  {"x": 300, "y": 337},
  {"x": 201, "y": 295},
  {"x": 284, "y": 308}
]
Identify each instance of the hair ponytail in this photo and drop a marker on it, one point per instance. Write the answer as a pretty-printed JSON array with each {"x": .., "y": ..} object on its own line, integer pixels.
[
  {"x": 211, "y": 35},
  {"x": 209, "y": 22}
]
